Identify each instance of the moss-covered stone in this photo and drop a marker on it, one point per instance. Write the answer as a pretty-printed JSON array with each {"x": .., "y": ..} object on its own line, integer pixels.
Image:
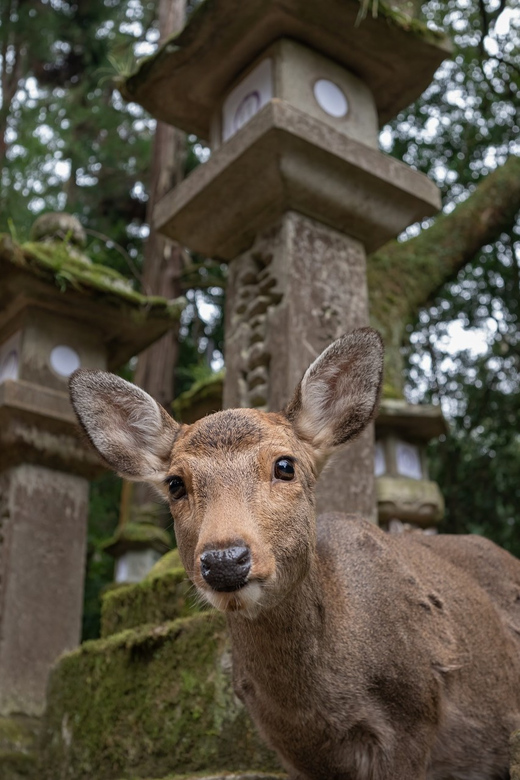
[
  {"x": 164, "y": 595},
  {"x": 17, "y": 766},
  {"x": 65, "y": 266},
  {"x": 147, "y": 703},
  {"x": 136, "y": 536},
  {"x": 203, "y": 397},
  {"x": 18, "y": 744}
]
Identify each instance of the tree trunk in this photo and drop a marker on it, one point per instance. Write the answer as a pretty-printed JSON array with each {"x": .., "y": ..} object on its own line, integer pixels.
[
  {"x": 162, "y": 257},
  {"x": 405, "y": 276}
]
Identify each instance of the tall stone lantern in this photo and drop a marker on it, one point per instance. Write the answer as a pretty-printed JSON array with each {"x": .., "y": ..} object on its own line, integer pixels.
[
  {"x": 291, "y": 95},
  {"x": 58, "y": 311}
]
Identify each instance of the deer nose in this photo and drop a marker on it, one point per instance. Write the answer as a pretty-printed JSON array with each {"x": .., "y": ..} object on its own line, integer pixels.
[{"x": 226, "y": 569}]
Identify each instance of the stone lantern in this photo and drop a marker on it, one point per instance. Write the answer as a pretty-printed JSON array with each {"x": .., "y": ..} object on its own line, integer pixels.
[
  {"x": 406, "y": 497},
  {"x": 291, "y": 95},
  {"x": 58, "y": 311},
  {"x": 136, "y": 547}
]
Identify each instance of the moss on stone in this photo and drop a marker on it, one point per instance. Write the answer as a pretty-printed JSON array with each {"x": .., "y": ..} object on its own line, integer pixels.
[
  {"x": 168, "y": 562},
  {"x": 18, "y": 744},
  {"x": 167, "y": 595},
  {"x": 136, "y": 536},
  {"x": 17, "y": 766},
  {"x": 65, "y": 266},
  {"x": 149, "y": 702},
  {"x": 203, "y": 397}
]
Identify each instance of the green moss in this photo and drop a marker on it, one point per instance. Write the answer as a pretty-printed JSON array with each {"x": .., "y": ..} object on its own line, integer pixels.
[
  {"x": 147, "y": 703},
  {"x": 66, "y": 267},
  {"x": 172, "y": 560},
  {"x": 164, "y": 596},
  {"x": 18, "y": 744},
  {"x": 203, "y": 397},
  {"x": 415, "y": 27},
  {"x": 135, "y": 536},
  {"x": 17, "y": 766}
]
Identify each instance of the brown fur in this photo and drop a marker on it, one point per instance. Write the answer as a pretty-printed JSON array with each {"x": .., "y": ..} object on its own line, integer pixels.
[{"x": 360, "y": 655}]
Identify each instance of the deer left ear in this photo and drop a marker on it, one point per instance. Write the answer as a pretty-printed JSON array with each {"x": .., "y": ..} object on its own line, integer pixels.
[{"x": 339, "y": 392}]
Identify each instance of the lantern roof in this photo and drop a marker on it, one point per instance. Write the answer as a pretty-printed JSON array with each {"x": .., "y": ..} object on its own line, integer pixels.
[
  {"x": 182, "y": 84},
  {"x": 56, "y": 276},
  {"x": 418, "y": 421}
]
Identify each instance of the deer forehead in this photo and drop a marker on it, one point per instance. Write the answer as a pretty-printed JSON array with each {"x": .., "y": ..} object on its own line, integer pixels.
[
  {"x": 235, "y": 431},
  {"x": 233, "y": 445}
]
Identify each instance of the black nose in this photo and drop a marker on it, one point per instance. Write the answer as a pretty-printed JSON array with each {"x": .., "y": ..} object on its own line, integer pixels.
[{"x": 228, "y": 569}]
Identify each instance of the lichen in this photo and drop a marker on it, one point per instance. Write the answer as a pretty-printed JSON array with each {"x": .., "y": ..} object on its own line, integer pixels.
[
  {"x": 164, "y": 596},
  {"x": 149, "y": 702}
]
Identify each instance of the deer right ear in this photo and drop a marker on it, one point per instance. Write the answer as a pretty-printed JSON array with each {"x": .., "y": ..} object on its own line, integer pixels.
[
  {"x": 131, "y": 431},
  {"x": 339, "y": 392}
]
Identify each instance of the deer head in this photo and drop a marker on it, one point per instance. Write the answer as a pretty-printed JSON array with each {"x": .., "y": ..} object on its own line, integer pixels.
[{"x": 240, "y": 482}]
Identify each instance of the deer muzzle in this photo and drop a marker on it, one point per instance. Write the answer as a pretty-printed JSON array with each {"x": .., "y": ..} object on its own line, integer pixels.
[{"x": 226, "y": 570}]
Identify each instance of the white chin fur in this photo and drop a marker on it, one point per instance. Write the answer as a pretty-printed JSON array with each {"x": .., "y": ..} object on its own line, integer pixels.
[{"x": 246, "y": 600}]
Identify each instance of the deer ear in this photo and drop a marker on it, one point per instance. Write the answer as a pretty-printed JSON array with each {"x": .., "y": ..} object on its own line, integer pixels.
[
  {"x": 339, "y": 392},
  {"x": 131, "y": 431}
]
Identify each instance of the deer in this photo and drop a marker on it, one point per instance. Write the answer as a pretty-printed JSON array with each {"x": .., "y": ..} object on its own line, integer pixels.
[{"x": 360, "y": 655}]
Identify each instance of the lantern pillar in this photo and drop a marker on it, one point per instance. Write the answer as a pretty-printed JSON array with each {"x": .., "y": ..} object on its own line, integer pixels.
[{"x": 291, "y": 94}]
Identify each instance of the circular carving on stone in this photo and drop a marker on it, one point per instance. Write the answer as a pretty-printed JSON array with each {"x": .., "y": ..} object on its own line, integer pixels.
[
  {"x": 9, "y": 366},
  {"x": 247, "y": 108},
  {"x": 64, "y": 360},
  {"x": 330, "y": 98}
]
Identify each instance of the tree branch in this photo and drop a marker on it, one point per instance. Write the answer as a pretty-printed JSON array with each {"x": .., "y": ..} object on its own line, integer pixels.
[{"x": 405, "y": 276}]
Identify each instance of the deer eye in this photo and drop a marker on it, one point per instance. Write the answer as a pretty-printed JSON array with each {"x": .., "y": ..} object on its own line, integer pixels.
[
  {"x": 176, "y": 487},
  {"x": 284, "y": 469}
]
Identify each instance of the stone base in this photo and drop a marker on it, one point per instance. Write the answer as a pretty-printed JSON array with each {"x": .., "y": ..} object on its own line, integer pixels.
[
  {"x": 43, "y": 517},
  {"x": 149, "y": 702},
  {"x": 18, "y": 745}
]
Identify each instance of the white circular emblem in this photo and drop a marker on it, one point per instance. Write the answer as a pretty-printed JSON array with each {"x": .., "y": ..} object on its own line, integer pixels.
[
  {"x": 64, "y": 360},
  {"x": 330, "y": 98}
]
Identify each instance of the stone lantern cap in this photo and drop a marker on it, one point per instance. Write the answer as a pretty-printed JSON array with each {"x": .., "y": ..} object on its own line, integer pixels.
[
  {"x": 137, "y": 536},
  {"x": 58, "y": 311},
  {"x": 421, "y": 422},
  {"x": 41, "y": 273},
  {"x": 182, "y": 84}
]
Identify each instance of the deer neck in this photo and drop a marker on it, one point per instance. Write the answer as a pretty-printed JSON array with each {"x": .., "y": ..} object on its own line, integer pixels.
[{"x": 289, "y": 633}]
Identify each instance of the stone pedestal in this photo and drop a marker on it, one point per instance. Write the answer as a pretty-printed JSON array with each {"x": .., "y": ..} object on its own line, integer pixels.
[
  {"x": 300, "y": 286},
  {"x": 43, "y": 517}
]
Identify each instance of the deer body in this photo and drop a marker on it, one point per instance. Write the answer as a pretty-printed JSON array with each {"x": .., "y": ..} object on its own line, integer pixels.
[{"x": 361, "y": 656}]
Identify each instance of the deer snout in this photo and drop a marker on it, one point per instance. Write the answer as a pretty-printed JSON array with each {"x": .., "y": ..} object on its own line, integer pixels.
[{"x": 227, "y": 569}]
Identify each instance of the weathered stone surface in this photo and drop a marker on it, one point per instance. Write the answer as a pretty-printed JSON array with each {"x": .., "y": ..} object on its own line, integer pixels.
[
  {"x": 149, "y": 702},
  {"x": 182, "y": 84},
  {"x": 417, "y": 501},
  {"x": 319, "y": 292},
  {"x": 161, "y": 596},
  {"x": 43, "y": 515},
  {"x": 284, "y": 159},
  {"x": 61, "y": 226}
]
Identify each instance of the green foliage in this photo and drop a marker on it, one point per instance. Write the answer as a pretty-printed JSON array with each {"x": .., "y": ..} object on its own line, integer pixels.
[
  {"x": 103, "y": 518},
  {"x": 465, "y": 125}
]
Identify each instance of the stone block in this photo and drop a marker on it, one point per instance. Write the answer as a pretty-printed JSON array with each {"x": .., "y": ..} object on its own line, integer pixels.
[
  {"x": 43, "y": 517},
  {"x": 149, "y": 702},
  {"x": 165, "y": 594},
  {"x": 284, "y": 159}
]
